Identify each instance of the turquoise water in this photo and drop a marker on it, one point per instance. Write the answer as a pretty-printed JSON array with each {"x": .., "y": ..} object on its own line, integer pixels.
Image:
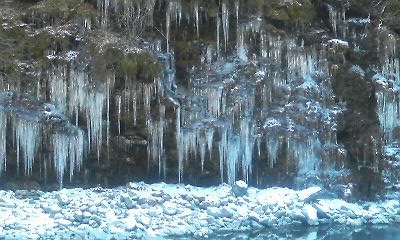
[{"x": 381, "y": 232}]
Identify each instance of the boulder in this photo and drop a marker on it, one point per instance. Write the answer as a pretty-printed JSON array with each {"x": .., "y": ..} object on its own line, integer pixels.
[{"x": 239, "y": 188}]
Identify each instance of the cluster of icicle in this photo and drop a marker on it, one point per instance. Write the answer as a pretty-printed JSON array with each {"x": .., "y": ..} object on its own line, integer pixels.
[
  {"x": 34, "y": 126},
  {"x": 224, "y": 105},
  {"x": 388, "y": 76},
  {"x": 74, "y": 93}
]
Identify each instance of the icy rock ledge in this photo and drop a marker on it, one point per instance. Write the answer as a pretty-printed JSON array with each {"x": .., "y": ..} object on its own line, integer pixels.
[{"x": 166, "y": 210}]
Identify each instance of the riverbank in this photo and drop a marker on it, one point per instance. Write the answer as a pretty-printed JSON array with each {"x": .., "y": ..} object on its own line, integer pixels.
[{"x": 162, "y": 211}]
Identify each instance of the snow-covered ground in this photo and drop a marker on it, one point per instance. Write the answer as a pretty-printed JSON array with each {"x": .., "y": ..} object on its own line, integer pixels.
[{"x": 158, "y": 211}]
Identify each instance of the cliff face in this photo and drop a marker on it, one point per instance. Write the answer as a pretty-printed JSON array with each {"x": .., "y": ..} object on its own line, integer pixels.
[{"x": 271, "y": 92}]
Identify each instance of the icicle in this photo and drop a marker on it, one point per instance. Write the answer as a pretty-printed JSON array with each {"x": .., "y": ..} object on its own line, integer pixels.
[
  {"x": 67, "y": 149},
  {"x": 161, "y": 123},
  {"x": 179, "y": 142},
  {"x": 58, "y": 90},
  {"x": 241, "y": 51},
  {"x": 196, "y": 15},
  {"x": 147, "y": 89},
  {"x": 94, "y": 114},
  {"x": 27, "y": 137},
  {"x": 210, "y": 136},
  {"x": 225, "y": 23},
  {"x": 202, "y": 146},
  {"x": 272, "y": 145},
  {"x": 232, "y": 158},
  {"x": 333, "y": 18},
  {"x": 168, "y": 23},
  {"x": 119, "y": 100},
  {"x": 134, "y": 105},
  {"x": 108, "y": 113},
  {"x": 3, "y": 138},
  {"x": 218, "y": 41},
  {"x": 247, "y": 142},
  {"x": 60, "y": 153},
  {"x": 388, "y": 112},
  {"x": 223, "y": 151},
  {"x": 215, "y": 99}
]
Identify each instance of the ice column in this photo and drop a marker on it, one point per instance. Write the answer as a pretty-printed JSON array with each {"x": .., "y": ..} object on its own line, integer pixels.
[
  {"x": 67, "y": 149},
  {"x": 218, "y": 41},
  {"x": 388, "y": 112},
  {"x": 272, "y": 144},
  {"x": 94, "y": 113},
  {"x": 27, "y": 139},
  {"x": 225, "y": 23},
  {"x": 3, "y": 132}
]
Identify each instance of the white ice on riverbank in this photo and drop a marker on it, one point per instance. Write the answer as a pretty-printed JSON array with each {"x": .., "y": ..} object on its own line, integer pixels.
[{"x": 162, "y": 210}]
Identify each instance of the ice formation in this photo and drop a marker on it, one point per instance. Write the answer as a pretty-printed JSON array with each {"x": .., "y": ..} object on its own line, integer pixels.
[
  {"x": 39, "y": 125},
  {"x": 221, "y": 102},
  {"x": 3, "y": 136},
  {"x": 27, "y": 139},
  {"x": 388, "y": 79},
  {"x": 262, "y": 95},
  {"x": 74, "y": 92}
]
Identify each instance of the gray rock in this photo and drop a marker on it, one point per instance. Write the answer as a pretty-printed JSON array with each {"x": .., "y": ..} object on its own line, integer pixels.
[
  {"x": 127, "y": 200},
  {"x": 227, "y": 212},
  {"x": 204, "y": 205},
  {"x": 58, "y": 216},
  {"x": 143, "y": 219},
  {"x": 86, "y": 214},
  {"x": 63, "y": 199},
  {"x": 64, "y": 222},
  {"x": 130, "y": 224},
  {"x": 153, "y": 213},
  {"x": 166, "y": 197},
  {"x": 157, "y": 193},
  {"x": 306, "y": 194},
  {"x": 322, "y": 211},
  {"x": 51, "y": 209},
  {"x": 78, "y": 216},
  {"x": 200, "y": 197},
  {"x": 96, "y": 218},
  {"x": 310, "y": 214},
  {"x": 214, "y": 211},
  {"x": 170, "y": 208},
  {"x": 297, "y": 215},
  {"x": 268, "y": 221},
  {"x": 239, "y": 188}
]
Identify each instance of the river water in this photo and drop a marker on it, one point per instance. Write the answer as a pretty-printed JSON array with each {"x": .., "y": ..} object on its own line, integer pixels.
[{"x": 305, "y": 233}]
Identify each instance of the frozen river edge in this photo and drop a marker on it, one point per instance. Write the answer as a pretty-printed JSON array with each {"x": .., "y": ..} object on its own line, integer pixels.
[{"x": 159, "y": 211}]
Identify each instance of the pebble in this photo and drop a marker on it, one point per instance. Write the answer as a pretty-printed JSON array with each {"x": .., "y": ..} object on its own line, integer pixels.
[
  {"x": 239, "y": 188},
  {"x": 310, "y": 214},
  {"x": 151, "y": 211},
  {"x": 143, "y": 220},
  {"x": 170, "y": 208},
  {"x": 128, "y": 201},
  {"x": 62, "y": 198},
  {"x": 51, "y": 209}
]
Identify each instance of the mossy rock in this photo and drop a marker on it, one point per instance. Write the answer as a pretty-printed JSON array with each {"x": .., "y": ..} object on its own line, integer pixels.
[
  {"x": 278, "y": 14},
  {"x": 140, "y": 66},
  {"x": 59, "y": 12}
]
